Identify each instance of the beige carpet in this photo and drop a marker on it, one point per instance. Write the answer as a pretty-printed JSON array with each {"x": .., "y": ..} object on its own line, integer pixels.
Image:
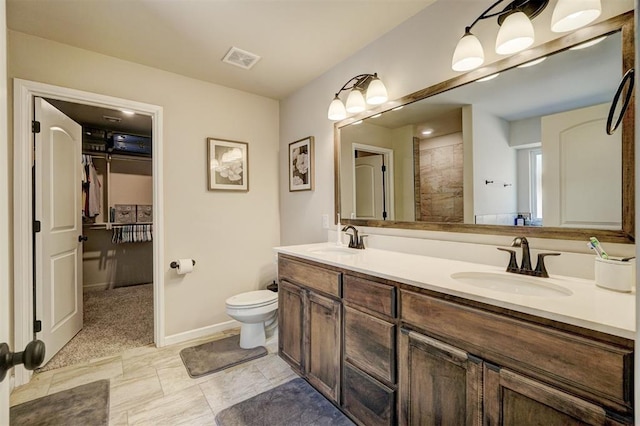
[{"x": 114, "y": 320}]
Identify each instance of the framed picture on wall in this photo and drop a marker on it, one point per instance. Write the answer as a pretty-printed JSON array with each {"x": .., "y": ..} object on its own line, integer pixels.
[
  {"x": 301, "y": 165},
  {"x": 228, "y": 165}
]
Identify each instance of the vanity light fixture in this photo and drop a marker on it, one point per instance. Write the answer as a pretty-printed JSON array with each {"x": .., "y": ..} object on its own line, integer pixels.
[
  {"x": 364, "y": 89},
  {"x": 516, "y": 30}
]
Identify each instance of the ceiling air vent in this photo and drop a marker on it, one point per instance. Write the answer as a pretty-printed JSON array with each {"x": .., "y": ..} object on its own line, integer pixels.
[{"x": 240, "y": 58}]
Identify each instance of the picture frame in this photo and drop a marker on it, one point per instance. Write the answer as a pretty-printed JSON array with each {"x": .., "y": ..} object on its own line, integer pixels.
[
  {"x": 301, "y": 165},
  {"x": 228, "y": 165}
]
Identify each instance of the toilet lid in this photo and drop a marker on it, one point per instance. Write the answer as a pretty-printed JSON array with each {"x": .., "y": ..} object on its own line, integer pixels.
[{"x": 253, "y": 298}]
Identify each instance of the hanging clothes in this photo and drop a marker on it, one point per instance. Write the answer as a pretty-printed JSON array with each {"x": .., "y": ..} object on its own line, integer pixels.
[{"x": 91, "y": 189}]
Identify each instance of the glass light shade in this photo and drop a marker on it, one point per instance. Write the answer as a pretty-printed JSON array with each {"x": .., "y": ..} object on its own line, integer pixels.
[
  {"x": 569, "y": 15},
  {"x": 515, "y": 35},
  {"x": 336, "y": 110},
  {"x": 468, "y": 54},
  {"x": 376, "y": 92},
  {"x": 355, "y": 101}
]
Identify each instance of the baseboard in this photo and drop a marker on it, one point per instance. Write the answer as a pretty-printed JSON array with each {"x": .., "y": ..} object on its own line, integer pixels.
[
  {"x": 94, "y": 287},
  {"x": 200, "y": 332}
]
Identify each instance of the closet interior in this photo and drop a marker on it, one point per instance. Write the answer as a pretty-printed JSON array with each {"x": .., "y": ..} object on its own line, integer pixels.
[{"x": 117, "y": 214}]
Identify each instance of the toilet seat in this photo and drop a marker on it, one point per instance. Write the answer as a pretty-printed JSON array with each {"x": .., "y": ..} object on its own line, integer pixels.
[{"x": 252, "y": 299}]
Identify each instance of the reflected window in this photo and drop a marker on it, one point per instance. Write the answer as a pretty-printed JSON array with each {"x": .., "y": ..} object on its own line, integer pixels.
[{"x": 535, "y": 157}]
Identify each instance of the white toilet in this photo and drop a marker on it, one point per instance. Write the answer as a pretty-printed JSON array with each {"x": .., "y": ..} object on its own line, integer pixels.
[{"x": 257, "y": 312}]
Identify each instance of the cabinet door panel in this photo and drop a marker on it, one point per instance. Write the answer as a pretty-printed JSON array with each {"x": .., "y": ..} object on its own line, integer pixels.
[
  {"x": 369, "y": 343},
  {"x": 291, "y": 302},
  {"x": 323, "y": 368},
  {"x": 439, "y": 384},
  {"x": 513, "y": 400},
  {"x": 366, "y": 399}
]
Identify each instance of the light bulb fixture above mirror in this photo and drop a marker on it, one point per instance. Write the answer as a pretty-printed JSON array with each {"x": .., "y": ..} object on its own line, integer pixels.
[
  {"x": 516, "y": 30},
  {"x": 364, "y": 89}
]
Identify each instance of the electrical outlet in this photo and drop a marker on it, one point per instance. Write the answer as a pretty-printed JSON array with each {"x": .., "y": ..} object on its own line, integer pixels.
[{"x": 325, "y": 221}]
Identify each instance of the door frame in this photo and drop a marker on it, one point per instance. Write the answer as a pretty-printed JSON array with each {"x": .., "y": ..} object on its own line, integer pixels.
[
  {"x": 23, "y": 93},
  {"x": 390, "y": 179}
]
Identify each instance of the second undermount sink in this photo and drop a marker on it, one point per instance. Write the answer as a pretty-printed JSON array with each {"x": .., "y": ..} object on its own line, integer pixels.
[
  {"x": 334, "y": 250},
  {"x": 512, "y": 283}
]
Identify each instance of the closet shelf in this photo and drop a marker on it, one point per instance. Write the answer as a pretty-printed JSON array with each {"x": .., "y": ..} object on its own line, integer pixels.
[{"x": 104, "y": 225}]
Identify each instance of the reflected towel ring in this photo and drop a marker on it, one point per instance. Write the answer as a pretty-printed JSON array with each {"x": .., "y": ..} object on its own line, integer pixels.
[{"x": 627, "y": 80}]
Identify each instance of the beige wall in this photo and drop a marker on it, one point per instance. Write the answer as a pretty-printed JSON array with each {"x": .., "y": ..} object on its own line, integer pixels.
[{"x": 231, "y": 245}]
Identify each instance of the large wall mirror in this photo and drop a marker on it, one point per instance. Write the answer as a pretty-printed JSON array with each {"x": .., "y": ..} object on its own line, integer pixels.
[{"x": 527, "y": 148}]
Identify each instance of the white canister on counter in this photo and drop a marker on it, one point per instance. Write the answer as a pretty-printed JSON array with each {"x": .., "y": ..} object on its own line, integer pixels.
[{"x": 615, "y": 274}]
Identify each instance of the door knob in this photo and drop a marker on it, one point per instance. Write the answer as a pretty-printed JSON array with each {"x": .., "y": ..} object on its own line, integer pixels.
[
  {"x": 31, "y": 357},
  {"x": 82, "y": 238}
]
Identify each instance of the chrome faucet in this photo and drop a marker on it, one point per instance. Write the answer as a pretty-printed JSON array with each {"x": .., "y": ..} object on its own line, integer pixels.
[
  {"x": 525, "y": 264},
  {"x": 355, "y": 241}
]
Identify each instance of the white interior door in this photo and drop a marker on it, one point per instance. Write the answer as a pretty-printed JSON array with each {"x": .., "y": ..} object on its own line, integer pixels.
[
  {"x": 581, "y": 170},
  {"x": 58, "y": 206},
  {"x": 369, "y": 188}
]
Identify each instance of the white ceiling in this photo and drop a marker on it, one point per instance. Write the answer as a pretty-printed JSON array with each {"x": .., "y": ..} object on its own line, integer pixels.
[{"x": 298, "y": 40}]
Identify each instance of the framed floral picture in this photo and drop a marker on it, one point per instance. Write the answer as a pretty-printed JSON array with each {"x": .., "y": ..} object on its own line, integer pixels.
[
  {"x": 228, "y": 165},
  {"x": 301, "y": 165}
]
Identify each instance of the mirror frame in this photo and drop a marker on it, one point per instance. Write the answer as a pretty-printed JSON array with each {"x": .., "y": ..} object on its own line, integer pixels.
[{"x": 623, "y": 23}]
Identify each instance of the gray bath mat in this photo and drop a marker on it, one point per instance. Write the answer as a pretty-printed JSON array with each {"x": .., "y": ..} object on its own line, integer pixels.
[
  {"x": 83, "y": 405},
  {"x": 217, "y": 355},
  {"x": 293, "y": 403}
]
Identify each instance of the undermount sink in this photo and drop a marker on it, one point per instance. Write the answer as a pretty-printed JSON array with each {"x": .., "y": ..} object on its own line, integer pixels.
[
  {"x": 512, "y": 283},
  {"x": 334, "y": 250}
]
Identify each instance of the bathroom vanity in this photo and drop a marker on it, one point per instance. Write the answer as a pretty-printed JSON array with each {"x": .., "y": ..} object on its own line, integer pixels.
[{"x": 395, "y": 338}]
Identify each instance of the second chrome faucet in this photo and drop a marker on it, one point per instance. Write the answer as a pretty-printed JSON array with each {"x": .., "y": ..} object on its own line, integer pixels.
[{"x": 525, "y": 264}]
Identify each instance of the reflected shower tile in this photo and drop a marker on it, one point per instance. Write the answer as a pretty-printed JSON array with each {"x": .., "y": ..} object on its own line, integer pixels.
[{"x": 184, "y": 407}]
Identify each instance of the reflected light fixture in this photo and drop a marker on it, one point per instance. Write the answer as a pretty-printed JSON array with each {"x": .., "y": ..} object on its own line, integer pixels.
[
  {"x": 532, "y": 63},
  {"x": 588, "y": 43},
  {"x": 488, "y": 78},
  {"x": 364, "y": 89},
  {"x": 516, "y": 30}
]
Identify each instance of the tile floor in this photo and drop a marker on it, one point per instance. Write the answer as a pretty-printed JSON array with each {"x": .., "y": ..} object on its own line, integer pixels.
[{"x": 150, "y": 386}]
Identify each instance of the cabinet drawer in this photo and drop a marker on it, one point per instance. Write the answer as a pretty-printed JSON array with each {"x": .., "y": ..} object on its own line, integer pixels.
[
  {"x": 369, "y": 401},
  {"x": 377, "y": 297},
  {"x": 370, "y": 344},
  {"x": 314, "y": 277},
  {"x": 595, "y": 369}
]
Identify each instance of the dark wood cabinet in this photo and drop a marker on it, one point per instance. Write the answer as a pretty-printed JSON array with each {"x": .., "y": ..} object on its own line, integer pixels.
[
  {"x": 291, "y": 308},
  {"x": 439, "y": 384},
  {"x": 512, "y": 399},
  {"x": 367, "y": 400},
  {"x": 310, "y": 324},
  {"x": 525, "y": 373},
  {"x": 389, "y": 353},
  {"x": 324, "y": 349}
]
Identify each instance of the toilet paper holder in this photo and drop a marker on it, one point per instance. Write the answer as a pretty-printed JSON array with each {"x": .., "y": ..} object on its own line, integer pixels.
[{"x": 174, "y": 264}]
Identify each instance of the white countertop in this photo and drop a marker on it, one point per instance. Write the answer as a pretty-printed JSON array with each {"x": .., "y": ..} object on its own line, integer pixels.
[{"x": 588, "y": 306}]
